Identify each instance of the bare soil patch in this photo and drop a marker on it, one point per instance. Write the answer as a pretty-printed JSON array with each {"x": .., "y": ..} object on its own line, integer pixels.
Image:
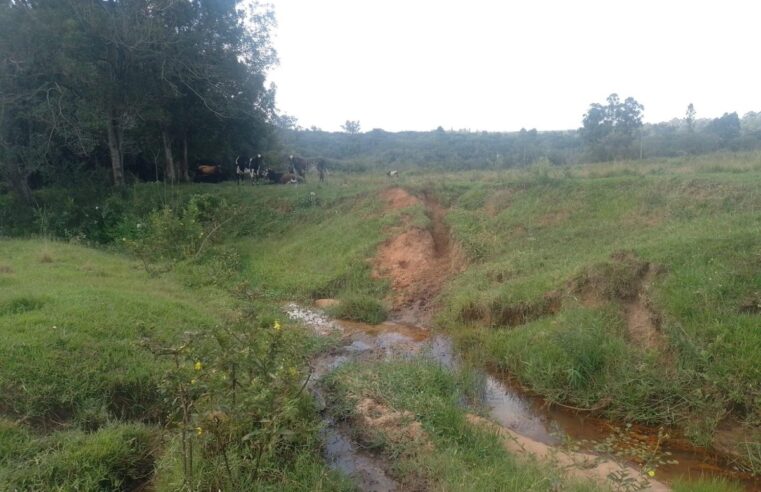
[
  {"x": 575, "y": 464},
  {"x": 751, "y": 304},
  {"x": 326, "y": 303},
  {"x": 625, "y": 280},
  {"x": 417, "y": 261},
  {"x": 641, "y": 320},
  {"x": 398, "y": 198},
  {"x": 397, "y": 427}
]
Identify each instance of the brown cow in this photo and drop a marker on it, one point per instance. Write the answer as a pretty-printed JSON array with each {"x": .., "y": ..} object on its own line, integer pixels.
[{"x": 208, "y": 172}]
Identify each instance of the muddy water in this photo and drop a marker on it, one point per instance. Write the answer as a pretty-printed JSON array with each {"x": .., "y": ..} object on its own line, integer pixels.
[{"x": 507, "y": 404}]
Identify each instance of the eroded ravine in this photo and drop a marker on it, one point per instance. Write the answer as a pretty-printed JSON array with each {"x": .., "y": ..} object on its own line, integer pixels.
[{"x": 527, "y": 424}]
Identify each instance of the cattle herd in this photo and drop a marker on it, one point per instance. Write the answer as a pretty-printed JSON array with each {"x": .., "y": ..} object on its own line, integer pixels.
[{"x": 254, "y": 170}]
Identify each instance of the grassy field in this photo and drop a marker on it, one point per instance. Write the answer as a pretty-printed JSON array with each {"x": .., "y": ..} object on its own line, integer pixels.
[
  {"x": 562, "y": 264},
  {"x": 86, "y": 406},
  {"x": 86, "y": 398},
  {"x": 558, "y": 259}
]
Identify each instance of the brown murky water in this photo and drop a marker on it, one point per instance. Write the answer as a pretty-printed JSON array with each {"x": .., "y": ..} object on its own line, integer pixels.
[{"x": 507, "y": 404}]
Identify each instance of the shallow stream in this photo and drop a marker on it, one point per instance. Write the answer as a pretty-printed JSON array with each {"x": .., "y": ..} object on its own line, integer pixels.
[{"x": 507, "y": 404}]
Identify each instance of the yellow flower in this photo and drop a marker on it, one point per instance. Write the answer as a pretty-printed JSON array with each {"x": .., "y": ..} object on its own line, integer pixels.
[
  {"x": 651, "y": 473},
  {"x": 292, "y": 371},
  {"x": 277, "y": 326},
  {"x": 193, "y": 381},
  {"x": 199, "y": 431},
  {"x": 198, "y": 366}
]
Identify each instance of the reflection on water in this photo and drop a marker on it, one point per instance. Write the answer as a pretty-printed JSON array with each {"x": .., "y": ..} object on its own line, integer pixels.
[{"x": 508, "y": 405}]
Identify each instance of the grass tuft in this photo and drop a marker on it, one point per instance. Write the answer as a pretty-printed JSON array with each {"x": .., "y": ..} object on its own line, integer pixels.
[{"x": 360, "y": 307}]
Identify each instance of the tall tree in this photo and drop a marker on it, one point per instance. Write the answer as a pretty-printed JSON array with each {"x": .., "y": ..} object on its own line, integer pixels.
[
  {"x": 351, "y": 126},
  {"x": 689, "y": 118},
  {"x": 609, "y": 130}
]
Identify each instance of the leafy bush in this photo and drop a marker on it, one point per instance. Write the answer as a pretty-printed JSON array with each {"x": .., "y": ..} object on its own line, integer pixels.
[
  {"x": 238, "y": 405},
  {"x": 170, "y": 234}
]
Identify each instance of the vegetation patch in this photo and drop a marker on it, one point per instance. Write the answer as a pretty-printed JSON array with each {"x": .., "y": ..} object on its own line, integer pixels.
[
  {"x": 360, "y": 308},
  {"x": 661, "y": 309},
  {"x": 20, "y": 305},
  {"x": 116, "y": 457},
  {"x": 445, "y": 452}
]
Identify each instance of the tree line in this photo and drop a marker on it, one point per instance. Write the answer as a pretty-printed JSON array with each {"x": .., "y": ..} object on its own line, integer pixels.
[
  {"x": 130, "y": 85},
  {"x": 610, "y": 130}
]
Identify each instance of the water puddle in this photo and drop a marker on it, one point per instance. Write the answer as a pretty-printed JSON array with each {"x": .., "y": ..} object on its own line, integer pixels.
[
  {"x": 342, "y": 454},
  {"x": 506, "y": 403}
]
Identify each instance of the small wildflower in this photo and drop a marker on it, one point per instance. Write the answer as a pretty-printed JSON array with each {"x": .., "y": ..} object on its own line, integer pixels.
[
  {"x": 198, "y": 366},
  {"x": 292, "y": 371},
  {"x": 651, "y": 473},
  {"x": 193, "y": 381},
  {"x": 124, "y": 239},
  {"x": 277, "y": 326},
  {"x": 199, "y": 431}
]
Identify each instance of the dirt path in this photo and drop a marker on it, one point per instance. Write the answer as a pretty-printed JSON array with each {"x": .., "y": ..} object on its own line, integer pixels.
[{"x": 416, "y": 260}]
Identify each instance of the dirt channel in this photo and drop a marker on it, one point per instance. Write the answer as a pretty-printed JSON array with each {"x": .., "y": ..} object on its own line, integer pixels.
[{"x": 418, "y": 261}]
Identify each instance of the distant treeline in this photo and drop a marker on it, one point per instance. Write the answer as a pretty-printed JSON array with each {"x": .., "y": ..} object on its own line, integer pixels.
[{"x": 463, "y": 149}]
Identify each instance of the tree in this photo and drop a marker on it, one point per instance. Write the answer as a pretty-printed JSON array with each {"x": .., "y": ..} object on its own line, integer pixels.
[
  {"x": 689, "y": 118},
  {"x": 726, "y": 127},
  {"x": 351, "y": 127},
  {"x": 609, "y": 130},
  {"x": 88, "y": 79}
]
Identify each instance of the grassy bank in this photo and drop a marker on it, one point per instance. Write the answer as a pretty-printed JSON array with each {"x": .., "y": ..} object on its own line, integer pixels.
[
  {"x": 88, "y": 404},
  {"x": 560, "y": 261}
]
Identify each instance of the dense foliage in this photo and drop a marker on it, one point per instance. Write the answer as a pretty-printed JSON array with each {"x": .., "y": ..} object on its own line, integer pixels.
[{"x": 139, "y": 87}]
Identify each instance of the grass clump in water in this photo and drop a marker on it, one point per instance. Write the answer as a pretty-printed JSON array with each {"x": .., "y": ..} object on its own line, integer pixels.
[{"x": 359, "y": 307}]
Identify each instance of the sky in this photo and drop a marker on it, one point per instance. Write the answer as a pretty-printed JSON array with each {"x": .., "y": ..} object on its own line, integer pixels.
[{"x": 502, "y": 65}]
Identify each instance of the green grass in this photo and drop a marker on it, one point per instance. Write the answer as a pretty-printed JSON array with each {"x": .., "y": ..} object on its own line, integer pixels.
[
  {"x": 84, "y": 402},
  {"x": 115, "y": 457},
  {"x": 301, "y": 251},
  {"x": 528, "y": 236},
  {"x": 81, "y": 396},
  {"x": 363, "y": 308},
  {"x": 462, "y": 457},
  {"x": 83, "y": 313}
]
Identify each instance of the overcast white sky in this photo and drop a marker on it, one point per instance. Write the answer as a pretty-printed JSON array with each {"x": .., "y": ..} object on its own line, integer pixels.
[{"x": 502, "y": 65}]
